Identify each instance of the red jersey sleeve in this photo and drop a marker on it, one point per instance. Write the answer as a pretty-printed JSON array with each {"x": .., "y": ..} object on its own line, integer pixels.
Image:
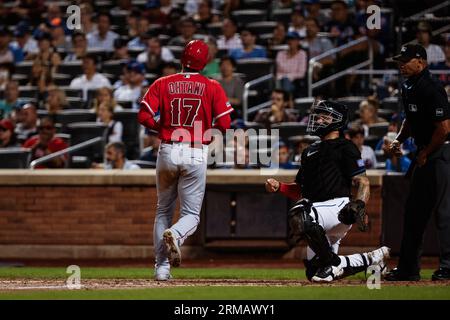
[
  {"x": 221, "y": 107},
  {"x": 151, "y": 99}
]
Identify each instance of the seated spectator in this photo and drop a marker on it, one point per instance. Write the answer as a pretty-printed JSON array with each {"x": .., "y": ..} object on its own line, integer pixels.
[
  {"x": 105, "y": 95},
  {"x": 283, "y": 160},
  {"x": 11, "y": 100},
  {"x": 393, "y": 163},
  {"x": 278, "y": 36},
  {"x": 140, "y": 42},
  {"x": 231, "y": 83},
  {"x": 102, "y": 38},
  {"x": 24, "y": 41},
  {"x": 8, "y": 138},
  {"x": 282, "y": 4},
  {"x": 132, "y": 23},
  {"x": 8, "y": 52},
  {"x": 445, "y": 65},
  {"x": 56, "y": 100},
  {"x": 6, "y": 70},
  {"x": 115, "y": 157},
  {"x": 187, "y": 29},
  {"x": 368, "y": 115},
  {"x": 278, "y": 111},
  {"x": 204, "y": 15},
  {"x": 47, "y": 54},
  {"x": 155, "y": 56},
  {"x": 120, "y": 50},
  {"x": 153, "y": 10},
  {"x": 229, "y": 38},
  {"x": 341, "y": 26},
  {"x": 46, "y": 143},
  {"x": 249, "y": 48},
  {"x": 367, "y": 154},
  {"x": 313, "y": 10},
  {"x": 297, "y": 23},
  {"x": 212, "y": 67},
  {"x": 423, "y": 36},
  {"x": 132, "y": 90},
  {"x": 291, "y": 66},
  {"x": 60, "y": 41},
  {"x": 88, "y": 24},
  {"x": 79, "y": 47},
  {"x": 105, "y": 115},
  {"x": 28, "y": 122},
  {"x": 91, "y": 79},
  {"x": 169, "y": 68},
  {"x": 316, "y": 46},
  {"x": 40, "y": 77}
]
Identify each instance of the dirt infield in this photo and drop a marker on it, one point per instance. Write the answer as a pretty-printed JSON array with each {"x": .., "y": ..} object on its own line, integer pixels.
[{"x": 108, "y": 284}]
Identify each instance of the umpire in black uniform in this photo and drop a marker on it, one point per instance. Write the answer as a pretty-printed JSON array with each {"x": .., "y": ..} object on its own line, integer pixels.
[{"x": 428, "y": 122}]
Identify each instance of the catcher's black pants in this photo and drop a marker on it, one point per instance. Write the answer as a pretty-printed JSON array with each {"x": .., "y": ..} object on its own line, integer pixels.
[{"x": 429, "y": 193}]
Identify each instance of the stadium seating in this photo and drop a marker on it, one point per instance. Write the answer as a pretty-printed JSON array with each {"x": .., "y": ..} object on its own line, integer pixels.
[
  {"x": 289, "y": 129},
  {"x": 261, "y": 27},
  {"x": 66, "y": 117},
  {"x": 72, "y": 68},
  {"x": 249, "y": 15},
  {"x": 83, "y": 131},
  {"x": 144, "y": 164},
  {"x": 131, "y": 127},
  {"x": 15, "y": 158},
  {"x": 282, "y": 15},
  {"x": 255, "y": 68}
]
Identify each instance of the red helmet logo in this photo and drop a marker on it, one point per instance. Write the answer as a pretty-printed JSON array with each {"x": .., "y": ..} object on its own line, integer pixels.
[{"x": 195, "y": 55}]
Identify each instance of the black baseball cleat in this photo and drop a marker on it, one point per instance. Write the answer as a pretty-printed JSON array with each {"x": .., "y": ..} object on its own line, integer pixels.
[
  {"x": 441, "y": 274},
  {"x": 397, "y": 275}
]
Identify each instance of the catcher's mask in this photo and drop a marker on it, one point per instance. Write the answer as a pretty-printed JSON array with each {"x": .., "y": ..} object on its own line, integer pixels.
[{"x": 326, "y": 116}]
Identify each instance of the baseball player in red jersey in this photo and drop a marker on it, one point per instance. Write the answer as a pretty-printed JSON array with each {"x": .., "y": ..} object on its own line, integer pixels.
[{"x": 188, "y": 104}]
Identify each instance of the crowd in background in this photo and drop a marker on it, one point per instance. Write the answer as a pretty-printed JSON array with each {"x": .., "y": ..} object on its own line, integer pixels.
[{"x": 147, "y": 43}]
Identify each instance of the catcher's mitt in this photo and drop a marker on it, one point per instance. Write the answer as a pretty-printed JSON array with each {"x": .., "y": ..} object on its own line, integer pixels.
[{"x": 355, "y": 212}]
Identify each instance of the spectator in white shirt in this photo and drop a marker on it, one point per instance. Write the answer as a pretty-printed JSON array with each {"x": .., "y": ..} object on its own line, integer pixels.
[
  {"x": 156, "y": 56},
  {"x": 435, "y": 54},
  {"x": 229, "y": 38},
  {"x": 367, "y": 153},
  {"x": 132, "y": 90},
  {"x": 91, "y": 79},
  {"x": 105, "y": 115},
  {"x": 102, "y": 38}
]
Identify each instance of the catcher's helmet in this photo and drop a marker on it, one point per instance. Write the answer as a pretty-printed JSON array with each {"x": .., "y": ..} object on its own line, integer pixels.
[
  {"x": 327, "y": 116},
  {"x": 195, "y": 55}
]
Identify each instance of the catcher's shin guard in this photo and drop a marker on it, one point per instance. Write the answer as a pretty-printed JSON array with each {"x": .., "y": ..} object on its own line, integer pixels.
[{"x": 302, "y": 225}]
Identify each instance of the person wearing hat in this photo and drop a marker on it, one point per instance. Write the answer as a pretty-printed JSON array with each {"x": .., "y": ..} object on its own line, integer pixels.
[
  {"x": 131, "y": 91},
  {"x": 427, "y": 120},
  {"x": 8, "y": 138},
  {"x": 291, "y": 66},
  {"x": 423, "y": 36}
]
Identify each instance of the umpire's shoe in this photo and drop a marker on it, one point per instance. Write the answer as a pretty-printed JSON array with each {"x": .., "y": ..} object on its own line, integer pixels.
[
  {"x": 328, "y": 274},
  {"x": 397, "y": 275},
  {"x": 441, "y": 274},
  {"x": 172, "y": 248}
]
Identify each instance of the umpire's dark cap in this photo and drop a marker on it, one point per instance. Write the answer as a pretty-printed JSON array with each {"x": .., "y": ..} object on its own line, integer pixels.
[{"x": 411, "y": 51}]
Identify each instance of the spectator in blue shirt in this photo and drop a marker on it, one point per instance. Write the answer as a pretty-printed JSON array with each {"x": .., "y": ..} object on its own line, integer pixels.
[
  {"x": 9, "y": 53},
  {"x": 249, "y": 48},
  {"x": 140, "y": 42}
]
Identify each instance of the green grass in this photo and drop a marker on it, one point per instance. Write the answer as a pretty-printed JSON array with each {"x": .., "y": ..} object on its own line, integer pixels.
[
  {"x": 209, "y": 292},
  {"x": 236, "y": 293}
]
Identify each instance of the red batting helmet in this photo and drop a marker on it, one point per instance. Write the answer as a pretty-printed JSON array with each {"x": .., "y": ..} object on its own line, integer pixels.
[{"x": 195, "y": 55}]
